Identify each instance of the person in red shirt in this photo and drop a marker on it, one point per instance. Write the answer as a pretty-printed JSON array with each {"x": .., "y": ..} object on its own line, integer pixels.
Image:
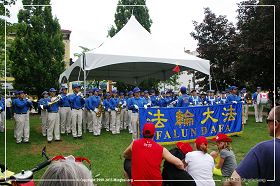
[{"x": 146, "y": 157}]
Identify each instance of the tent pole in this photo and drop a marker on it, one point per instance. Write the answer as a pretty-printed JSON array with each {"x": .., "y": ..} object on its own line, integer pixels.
[
  {"x": 84, "y": 68},
  {"x": 210, "y": 79},
  {"x": 164, "y": 77}
]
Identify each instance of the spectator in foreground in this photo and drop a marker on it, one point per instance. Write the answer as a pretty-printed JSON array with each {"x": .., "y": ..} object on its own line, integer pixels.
[
  {"x": 227, "y": 161},
  {"x": 67, "y": 173},
  {"x": 259, "y": 162},
  {"x": 171, "y": 172},
  {"x": 200, "y": 164},
  {"x": 146, "y": 157}
]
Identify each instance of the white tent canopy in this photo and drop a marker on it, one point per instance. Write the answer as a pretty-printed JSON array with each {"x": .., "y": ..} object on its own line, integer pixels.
[{"x": 132, "y": 56}]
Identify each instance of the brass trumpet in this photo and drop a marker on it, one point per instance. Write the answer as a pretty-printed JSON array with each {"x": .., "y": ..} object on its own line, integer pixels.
[
  {"x": 100, "y": 109},
  {"x": 53, "y": 101}
]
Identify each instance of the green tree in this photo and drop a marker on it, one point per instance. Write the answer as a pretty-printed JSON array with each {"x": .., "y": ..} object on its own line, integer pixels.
[
  {"x": 122, "y": 15},
  {"x": 255, "y": 40},
  {"x": 38, "y": 48},
  {"x": 216, "y": 38},
  {"x": 10, "y": 29}
]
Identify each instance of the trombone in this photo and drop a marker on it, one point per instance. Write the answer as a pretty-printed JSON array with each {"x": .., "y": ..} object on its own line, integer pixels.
[{"x": 53, "y": 101}]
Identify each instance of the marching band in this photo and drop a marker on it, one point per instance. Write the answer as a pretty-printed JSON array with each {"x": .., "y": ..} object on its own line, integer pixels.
[{"x": 74, "y": 114}]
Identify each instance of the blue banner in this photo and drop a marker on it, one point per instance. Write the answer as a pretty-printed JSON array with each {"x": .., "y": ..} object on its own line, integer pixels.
[{"x": 187, "y": 123}]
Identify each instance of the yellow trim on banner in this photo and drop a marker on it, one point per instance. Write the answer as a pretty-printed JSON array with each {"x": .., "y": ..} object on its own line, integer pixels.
[{"x": 192, "y": 140}]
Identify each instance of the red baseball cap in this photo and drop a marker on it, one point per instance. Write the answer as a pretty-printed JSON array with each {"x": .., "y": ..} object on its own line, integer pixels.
[
  {"x": 221, "y": 137},
  {"x": 184, "y": 147},
  {"x": 148, "y": 129},
  {"x": 200, "y": 140}
]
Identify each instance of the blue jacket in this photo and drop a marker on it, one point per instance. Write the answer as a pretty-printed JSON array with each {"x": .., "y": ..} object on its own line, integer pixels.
[
  {"x": 51, "y": 108},
  {"x": 231, "y": 98},
  {"x": 122, "y": 101},
  {"x": 64, "y": 102},
  {"x": 222, "y": 100},
  {"x": 2, "y": 108},
  {"x": 147, "y": 100},
  {"x": 94, "y": 101},
  {"x": 88, "y": 106},
  {"x": 21, "y": 105},
  {"x": 106, "y": 104},
  {"x": 153, "y": 100},
  {"x": 211, "y": 100},
  {"x": 76, "y": 102},
  {"x": 168, "y": 100},
  {"x": 183, "y": 101},
  {"x": 137, "y": 101},
  {"x": 129, "y": 103},
  {"x": 114, "y": 103},
  {"x": 254, "y": 97},
  {"x": 195, "y": 100},
  {"x": 162, "y": 102}
]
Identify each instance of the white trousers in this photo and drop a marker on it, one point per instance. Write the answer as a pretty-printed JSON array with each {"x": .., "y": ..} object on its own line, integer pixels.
[
  {"x": 245, "y": 113},
  {"x": 96, "y": 123},
  {"x": 115, "y": 122},
  {"x": 89, "y": 120},
  {"x": 22, "y": 128},
  {"x": 258, "y": 112},
  {"x": 76, "y": 120},
  {"x": 84, "y": 119},
  {"x": 122, "y": 119},
  {"x": 65, "y": 119},
  {"x": 44, "y": 119},
  {"x": 53, "y": 126},
  {"x": 2, "y": 121},
  {"x": 129, "y": 113},
  {"x": 134, "y": 125},
  {"x": 107, "y": 120},
  {"x": 103, "y": 120}
]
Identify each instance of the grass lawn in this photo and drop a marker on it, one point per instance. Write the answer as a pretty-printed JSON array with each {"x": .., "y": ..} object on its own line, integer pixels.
[{"x": 104, "y": 151}]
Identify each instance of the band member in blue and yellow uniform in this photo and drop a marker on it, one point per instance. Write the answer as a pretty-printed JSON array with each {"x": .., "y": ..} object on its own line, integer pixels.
[
  {"x": 52, "y": 106},
  {"x": 21, "y": 106},
  {"x": 95, "y": 101},
  {"x": 169, "y": 99},
  {"x": 136, "y": 103},
  {"x": 153, "y": 98},
  {"x": 44, "y": 113},
  {"x": 129, "y": 106},
  {"x": 115, "y": 113},
  {"x": 147, "y": 99},
  {"x": 65, "y": 112},
  {"x": 211, "y": 99},
  {"x": 195, "y": 99},
  {"x": 183, "y": 100},
  {"x": 106, "y": 103},
  {"x": 122, "y": 102},
  {"x": 233, "y": 97},
  {"x": 223, "y": 98},
  {"x": 77, "y": 104},
  {"x": 161, "y": 102}
]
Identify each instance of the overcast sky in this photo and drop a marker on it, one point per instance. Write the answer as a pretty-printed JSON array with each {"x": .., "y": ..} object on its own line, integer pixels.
[{"x": 89, "y": 20}]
